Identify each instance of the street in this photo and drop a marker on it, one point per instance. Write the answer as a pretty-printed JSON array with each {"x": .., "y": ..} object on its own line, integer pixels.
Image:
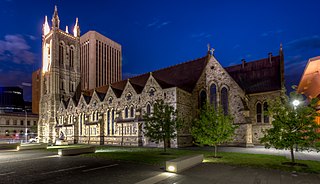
[
  {"x": 46, "y": 167},
  {"x": 39, "y": 166}
]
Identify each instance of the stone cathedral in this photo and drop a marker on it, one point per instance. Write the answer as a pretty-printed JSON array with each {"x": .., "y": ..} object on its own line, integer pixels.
[{"x": 112, "y": 113}]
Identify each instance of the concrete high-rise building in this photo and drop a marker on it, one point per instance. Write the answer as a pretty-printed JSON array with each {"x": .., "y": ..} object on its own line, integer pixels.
[{"x": 100, "y": 60}]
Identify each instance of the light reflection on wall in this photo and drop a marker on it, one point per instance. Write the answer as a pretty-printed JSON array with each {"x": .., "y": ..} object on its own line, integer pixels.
[{"x": 46, "y": 62}]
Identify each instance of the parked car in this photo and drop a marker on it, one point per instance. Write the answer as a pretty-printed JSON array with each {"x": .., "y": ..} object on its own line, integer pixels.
[{"x": 33, "y": 140}]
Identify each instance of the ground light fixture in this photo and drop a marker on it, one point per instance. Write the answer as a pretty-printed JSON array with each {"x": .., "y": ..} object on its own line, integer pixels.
[
  {"x": 18, "y": 148},
  {"x": 171, "y": 168}
]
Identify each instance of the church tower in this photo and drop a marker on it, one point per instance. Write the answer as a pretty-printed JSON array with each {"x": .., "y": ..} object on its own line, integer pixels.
[{"x": 60, "y": 75}]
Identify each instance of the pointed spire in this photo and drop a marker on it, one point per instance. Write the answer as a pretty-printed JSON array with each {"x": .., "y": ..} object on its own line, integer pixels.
[
  {"x": 45, "y": 26},
  {"x": 281, "y": 51},
  {"x": 55, "y": 18},
  {"x": 67, "y": 29},
  {"x": 76, "y": 29}
]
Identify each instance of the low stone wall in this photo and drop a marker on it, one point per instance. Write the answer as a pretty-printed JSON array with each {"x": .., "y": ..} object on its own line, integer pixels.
[
  {"x": 76, "y": 151},
  {"x": 9, "y": 145},
  {"x": 32, "y": 146},
  {"x": 179, "y": 164}
]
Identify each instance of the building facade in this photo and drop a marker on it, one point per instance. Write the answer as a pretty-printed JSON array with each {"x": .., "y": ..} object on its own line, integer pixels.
[
  {"x": 112, "y": 114},
  {"x": 309, "y": 84},
  {"x": 100, "y": 60},
  {"x": 68, "y": 61},
  {"x": 13, "y": 126},
  {"x": 36, "y": 75}
]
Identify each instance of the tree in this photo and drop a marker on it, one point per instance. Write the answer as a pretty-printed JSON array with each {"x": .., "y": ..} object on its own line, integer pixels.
[
  {"x": 292, "y": 126},
  {"x": 162, "y": 124},
  {"x": 212, "y": 127}
]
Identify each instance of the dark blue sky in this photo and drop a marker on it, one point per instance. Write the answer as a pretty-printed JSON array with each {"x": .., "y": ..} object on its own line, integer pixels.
[{"x": 157, "y": 34}]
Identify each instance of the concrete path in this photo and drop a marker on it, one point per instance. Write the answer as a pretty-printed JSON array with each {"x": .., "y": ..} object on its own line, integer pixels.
[
  {"x": 300, "y": 155},
  {"x": 207, "y": 173}
]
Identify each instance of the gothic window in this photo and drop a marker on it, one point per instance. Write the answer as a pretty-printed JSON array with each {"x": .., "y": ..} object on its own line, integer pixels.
[
  {"x": 259, "y": 112},
  {"x": 97, "y": 116},
  {"x": 225, "y": 100},
  {"x": 265, "y": 111},
  {"x": 108, "y": 124},
  {"x": 129, "y": 96},
  {"x": 202, "y": 98},
  {"x": 148, "y": 109},
  {"x": 62, "y": 85},
  {"x": 213, "y": 95},
  {"x": 112, "y": 118},
  {"x": 126, "y": 112},
  {"x": 61, "y": 54},
  {"x": 131, "y": 112},
  {"x": 71, "y": 57},
  {"x": 151, "y": 92},
  {"x": 110, "y": 100}
]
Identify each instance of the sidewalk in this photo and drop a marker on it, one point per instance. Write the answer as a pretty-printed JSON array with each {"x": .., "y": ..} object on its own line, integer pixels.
[
  {"x": 304, "y": 155},
  {"x": 226, "y": 174}
]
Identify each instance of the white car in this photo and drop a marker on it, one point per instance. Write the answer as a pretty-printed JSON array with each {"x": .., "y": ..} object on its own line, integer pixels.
[{"x": 33, "y": 140}]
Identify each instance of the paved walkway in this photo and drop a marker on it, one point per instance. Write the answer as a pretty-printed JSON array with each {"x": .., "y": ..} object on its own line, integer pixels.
[
  {"x": 300, "y": 155},
  {"x": 206, "y": 173}
]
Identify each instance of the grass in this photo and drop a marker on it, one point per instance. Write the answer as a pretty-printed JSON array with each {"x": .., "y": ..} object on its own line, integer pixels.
[{"x": 155, "y": 156}]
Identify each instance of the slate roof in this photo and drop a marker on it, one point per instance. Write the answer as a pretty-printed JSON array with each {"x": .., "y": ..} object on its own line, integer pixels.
[
  {"x": 184, "y": 75},
  {"x": 258, "y": 76},
  {"x": 253, "y": 77}
]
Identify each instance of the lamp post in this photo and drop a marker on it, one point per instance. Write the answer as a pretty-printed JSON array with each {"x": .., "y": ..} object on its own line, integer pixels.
[{"x": 295, "y": 105}]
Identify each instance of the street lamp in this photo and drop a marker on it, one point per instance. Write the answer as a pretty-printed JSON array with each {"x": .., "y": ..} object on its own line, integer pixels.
[{"x": 295, "y": 103}]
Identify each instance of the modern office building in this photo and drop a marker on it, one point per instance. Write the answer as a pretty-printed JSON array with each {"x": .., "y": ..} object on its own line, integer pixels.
[{"x": 100, "y": 60}]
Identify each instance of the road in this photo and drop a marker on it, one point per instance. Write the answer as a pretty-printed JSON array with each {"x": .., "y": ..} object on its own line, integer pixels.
[{"x": 46, "y": 167}]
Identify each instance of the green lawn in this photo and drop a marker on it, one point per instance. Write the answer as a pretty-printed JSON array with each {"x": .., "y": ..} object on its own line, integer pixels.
[{"x": 155, "y": 156}]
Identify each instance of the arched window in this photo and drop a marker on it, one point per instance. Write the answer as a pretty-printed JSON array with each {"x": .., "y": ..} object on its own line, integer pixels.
[
  {"x": 213, "y": 95},
  {"x": 148, "y": 109},
  {"x": 259, "y": 112},
  {"x": 112, "y": 119},
  {"x": 61, "y": 54},
  {"x": 131, "y": 112},
  {"x": 265, "y": 111},
  {"x": 108, "y": 124},
  {"x": 225, "y": 100},
  {"x": 126, "y": 112},
  {"x": 202, "y": 98},
  {"x": 71, "y": 57}
]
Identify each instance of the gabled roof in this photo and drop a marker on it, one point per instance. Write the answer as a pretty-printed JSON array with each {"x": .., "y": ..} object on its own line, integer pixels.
[
  {"x": 184, "y": 75},
  {"x": 118, "y": 87},
  {"x": 258, "y": 76},
  {"x": 87, "y": 98},
  {"x": 101, "y": 95}
]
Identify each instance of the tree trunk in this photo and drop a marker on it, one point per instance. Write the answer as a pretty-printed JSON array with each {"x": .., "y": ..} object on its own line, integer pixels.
[
  {"x": 164, "y": 144},
  {"x": 292, "y": 154},
  {"x": 215, "y": 150}
]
